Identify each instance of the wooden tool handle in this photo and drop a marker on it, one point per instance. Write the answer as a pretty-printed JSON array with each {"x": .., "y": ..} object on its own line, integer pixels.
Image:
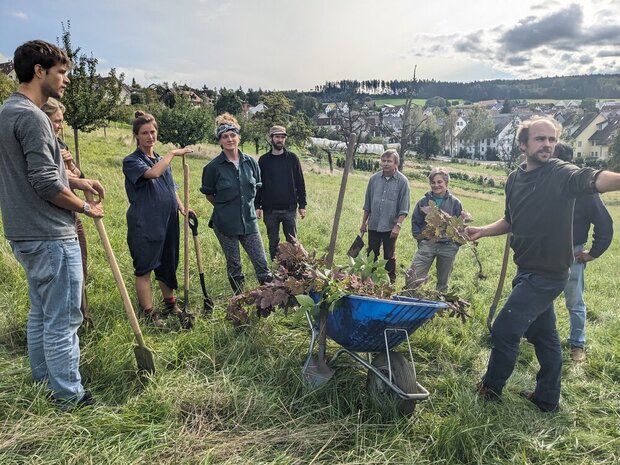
[
  {"x": 185, "y": 229},
  {"x": 120, "y": 284},
  {"x": 329, "y": 259}
]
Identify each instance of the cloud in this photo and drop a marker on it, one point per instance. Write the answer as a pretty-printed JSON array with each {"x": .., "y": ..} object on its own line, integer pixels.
[
  {"x": 533, "y": 32},
  {"x": 19, "y": 14},
  {"x": 552, "y": 39}
]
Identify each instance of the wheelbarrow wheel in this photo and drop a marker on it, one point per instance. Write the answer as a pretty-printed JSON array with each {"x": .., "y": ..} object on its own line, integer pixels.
[{"x": 403, "y": 376}]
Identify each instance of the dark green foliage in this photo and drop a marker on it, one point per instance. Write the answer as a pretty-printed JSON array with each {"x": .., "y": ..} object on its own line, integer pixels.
[
  {"x": 614, "y": 154},
  {"x": 228, "y": 101},
  {"x": 183, "y": 124}
]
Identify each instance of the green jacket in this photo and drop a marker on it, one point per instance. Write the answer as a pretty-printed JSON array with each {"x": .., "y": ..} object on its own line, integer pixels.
[{"x": 234, "y": 191}]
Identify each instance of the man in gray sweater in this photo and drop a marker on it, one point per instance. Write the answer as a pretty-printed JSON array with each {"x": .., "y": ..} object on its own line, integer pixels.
[{"x": 38, "y": 209}]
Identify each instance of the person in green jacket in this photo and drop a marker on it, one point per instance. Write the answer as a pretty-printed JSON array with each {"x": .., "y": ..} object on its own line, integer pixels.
[{"x": 230, "y": 182}]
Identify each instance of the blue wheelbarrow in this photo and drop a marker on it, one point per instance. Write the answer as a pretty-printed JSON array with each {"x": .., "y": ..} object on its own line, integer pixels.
[{"x": 373, "y": 326}]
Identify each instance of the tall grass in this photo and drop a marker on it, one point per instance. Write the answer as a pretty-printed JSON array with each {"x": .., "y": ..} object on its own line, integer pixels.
[{"x": 222, "y": 395}]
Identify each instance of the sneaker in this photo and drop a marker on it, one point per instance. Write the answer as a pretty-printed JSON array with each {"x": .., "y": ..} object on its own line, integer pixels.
[
  {"x": 486, "y": 393},
  {"x": 542, "y": 406},
  {"x": 152, "y": 319},
  {"x": 577, "y": 354}
]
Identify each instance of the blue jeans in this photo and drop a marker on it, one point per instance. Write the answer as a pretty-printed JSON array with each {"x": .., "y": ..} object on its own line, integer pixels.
[
  {"x": 573, "y": 294},
  {"x": 528, "y": 312},
  {"x": 54, "y": 273}
]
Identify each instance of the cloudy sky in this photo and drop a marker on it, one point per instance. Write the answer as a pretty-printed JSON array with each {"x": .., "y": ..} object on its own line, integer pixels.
[{"x": 288, "y": 44}]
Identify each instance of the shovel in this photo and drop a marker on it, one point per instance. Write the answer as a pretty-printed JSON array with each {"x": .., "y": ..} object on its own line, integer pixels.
[
  {"x": 144, "y": 356},
  {"x": 316, "y": 372},
  {"x": 357, "y": 246},
  {"x": 500, "y": 284},
  {"x": 185, "y": 317},
  {"x": 207, "y": 303}
]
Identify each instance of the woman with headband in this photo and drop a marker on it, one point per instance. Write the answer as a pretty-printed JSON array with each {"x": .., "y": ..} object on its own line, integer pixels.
[{"x": 230, "y": 182}]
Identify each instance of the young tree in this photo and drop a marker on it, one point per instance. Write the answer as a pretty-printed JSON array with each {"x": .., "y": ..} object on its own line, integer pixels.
[
  {"x": 429, "y": 143},
  {"x": 614, "y": 152},
  {"x": 228, "y": 101},
  {"x": 184, "y": 124},
  {"x": 479, "y": 126},
  {"x": 89, "y": 99}
]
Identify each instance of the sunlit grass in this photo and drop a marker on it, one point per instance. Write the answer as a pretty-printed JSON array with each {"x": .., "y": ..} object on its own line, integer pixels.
[{"x": 222, "y": 395}]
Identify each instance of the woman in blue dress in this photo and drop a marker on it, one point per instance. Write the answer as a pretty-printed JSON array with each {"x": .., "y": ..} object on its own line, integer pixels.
[{"x": 152, "y": 218}]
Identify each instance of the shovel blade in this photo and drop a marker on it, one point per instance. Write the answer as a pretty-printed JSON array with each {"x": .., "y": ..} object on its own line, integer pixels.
[
  {"x": 356, "y": 247},
  {"x": 144, "y": 360},
  {"x": 316, "y": 372}
]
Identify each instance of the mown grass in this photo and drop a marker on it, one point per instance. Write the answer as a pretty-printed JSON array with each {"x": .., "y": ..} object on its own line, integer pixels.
[{"x": 230, "y": 396}]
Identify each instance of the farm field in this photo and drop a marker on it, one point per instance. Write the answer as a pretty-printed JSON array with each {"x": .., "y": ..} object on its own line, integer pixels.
[{"x": 227, "y": 396}]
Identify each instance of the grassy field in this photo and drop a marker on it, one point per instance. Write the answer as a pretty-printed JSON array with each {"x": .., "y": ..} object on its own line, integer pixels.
[{"x": 226, "y": 396}]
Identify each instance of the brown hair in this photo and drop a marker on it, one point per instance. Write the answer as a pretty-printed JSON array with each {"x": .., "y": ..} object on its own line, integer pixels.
[
  {"x": 37, "y": 52},
  {"x": 52, "y": 106},
  {"x": 142, "y": 118},
  {"x": 523, "y": 133}
]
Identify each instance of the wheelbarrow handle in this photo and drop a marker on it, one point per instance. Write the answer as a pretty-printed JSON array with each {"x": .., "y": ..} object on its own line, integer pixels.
[{"x": 192, "y": 219}]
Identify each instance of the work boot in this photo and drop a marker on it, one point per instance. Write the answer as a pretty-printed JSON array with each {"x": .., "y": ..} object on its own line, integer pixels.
[
  {"x": 152, "y": 318},
  {"x": 237, "y": 284},
  {"x": 171, "y": 307},
  {"x": 485, "y": 392},
  {"x": 577, "y": 354},
  {"x": 542, "y": 406}
]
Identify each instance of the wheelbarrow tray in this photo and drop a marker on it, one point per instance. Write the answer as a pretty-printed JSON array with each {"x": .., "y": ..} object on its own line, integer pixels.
[{"x": 359, "y": 323}]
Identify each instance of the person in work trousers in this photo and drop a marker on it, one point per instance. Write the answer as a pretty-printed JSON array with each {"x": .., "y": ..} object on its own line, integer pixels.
[
  {"x": 152, "y": 218},
  {"x": 283, "y": 192},
  {"x": 444, "y": 249},
  {"x": 229, "y": 182},
  {"x": 386, "y": 205},
  {"x": 540, "y": 195}
]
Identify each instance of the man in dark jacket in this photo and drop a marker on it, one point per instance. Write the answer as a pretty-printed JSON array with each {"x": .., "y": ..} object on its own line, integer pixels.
[
  {"x": 589, "y": 210},
  {"x": 283, "y": 192},
  {"x": 540, "y": 197}
]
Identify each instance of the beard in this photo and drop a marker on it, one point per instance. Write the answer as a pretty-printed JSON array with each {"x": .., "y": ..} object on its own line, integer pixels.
[{"x": 278, "y": 145}]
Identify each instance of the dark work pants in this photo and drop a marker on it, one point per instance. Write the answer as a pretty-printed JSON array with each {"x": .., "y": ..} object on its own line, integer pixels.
[
  {"x": 377, "y": 239},
  {"x": 273, "y": 219},
  {"x": 528, "y": 312}
]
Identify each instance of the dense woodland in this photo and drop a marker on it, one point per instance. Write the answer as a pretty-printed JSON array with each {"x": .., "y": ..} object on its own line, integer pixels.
[{"x": 560, "y": 87}]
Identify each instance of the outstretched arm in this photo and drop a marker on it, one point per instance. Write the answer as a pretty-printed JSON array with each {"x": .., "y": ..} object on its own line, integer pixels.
[
  {"x": 494, "y": 229},
  {"x": 607, "y": 181}
]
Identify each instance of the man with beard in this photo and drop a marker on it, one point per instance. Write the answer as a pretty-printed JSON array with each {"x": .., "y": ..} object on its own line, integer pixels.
[
  {"x": 540, "y": 195},
  {"x": 386, "y": 205},
  {"x": 38, "y": 215},
  {"x": 283, "y": 191}
]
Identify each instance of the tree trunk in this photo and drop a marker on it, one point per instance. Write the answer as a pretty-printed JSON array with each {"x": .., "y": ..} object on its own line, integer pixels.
[{"x": 77, "y": 148}]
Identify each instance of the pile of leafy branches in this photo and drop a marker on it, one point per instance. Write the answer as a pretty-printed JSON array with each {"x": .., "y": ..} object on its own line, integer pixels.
[
  {"x": 300, "y": 273},
  {"x": 441, "y": 226}
]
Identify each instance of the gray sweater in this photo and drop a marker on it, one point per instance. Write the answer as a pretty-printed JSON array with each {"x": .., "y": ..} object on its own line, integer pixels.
[{"x": 31, "y": 173}]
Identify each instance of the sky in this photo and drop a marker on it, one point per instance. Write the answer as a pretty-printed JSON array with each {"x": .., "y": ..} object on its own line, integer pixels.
[{"x": 293, "y": 44}]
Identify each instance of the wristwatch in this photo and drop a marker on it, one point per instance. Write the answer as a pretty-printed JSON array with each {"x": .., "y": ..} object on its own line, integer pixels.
[{"x": 86, "y": 208}]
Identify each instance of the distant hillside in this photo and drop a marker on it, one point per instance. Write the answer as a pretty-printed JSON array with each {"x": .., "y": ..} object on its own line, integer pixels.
[{"x": 600, "y": 86}]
